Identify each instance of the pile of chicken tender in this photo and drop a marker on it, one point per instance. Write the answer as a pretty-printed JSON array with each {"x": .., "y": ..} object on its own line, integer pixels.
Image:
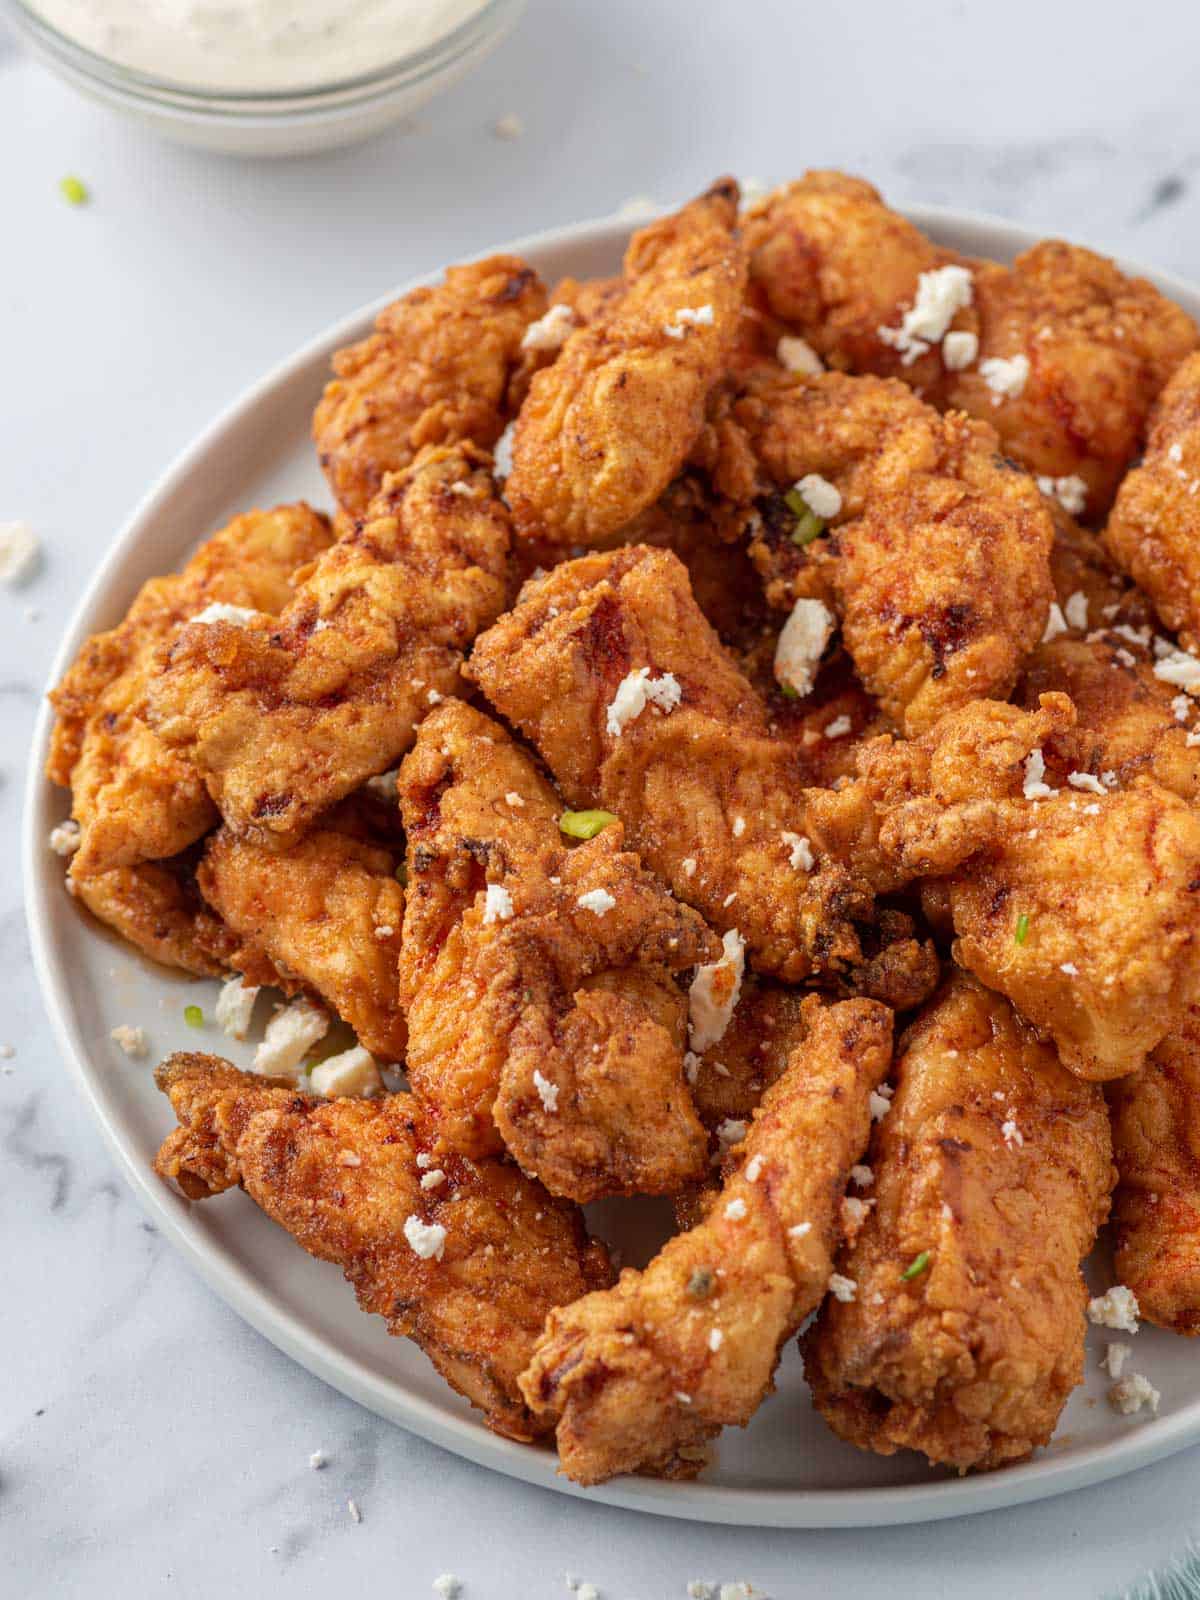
[{"x": 736, "y": 738}]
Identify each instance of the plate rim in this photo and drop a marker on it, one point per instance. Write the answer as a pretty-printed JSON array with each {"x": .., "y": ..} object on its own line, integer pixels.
[{"x": 467, "y": 1436}]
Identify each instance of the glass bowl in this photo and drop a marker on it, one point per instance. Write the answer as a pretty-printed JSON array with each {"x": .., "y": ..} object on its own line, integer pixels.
[{"x": 280, "y": 123}]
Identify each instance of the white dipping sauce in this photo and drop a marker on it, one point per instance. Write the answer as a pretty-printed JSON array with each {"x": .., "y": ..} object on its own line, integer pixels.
[{"x": 256, "y": 45}]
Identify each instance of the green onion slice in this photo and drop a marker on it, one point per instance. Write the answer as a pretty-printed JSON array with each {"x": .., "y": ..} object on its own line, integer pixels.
[
  {"x": 193, "y": 1016},
  {"x": 585, "y": 824},
  {"x": 916, "y": 1266},
  {"x": 1022, "y": 932},
  {"x": 74, "y": 191}
]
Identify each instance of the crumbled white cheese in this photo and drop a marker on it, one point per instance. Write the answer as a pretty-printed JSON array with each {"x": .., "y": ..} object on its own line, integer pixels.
[
  {"x": 801, "y": 1230},
  {"x": 433, "y": 1179},
  {"x": 1035, "y": 788},
  {"x": 427, "y": 1239},
  {"x": 801, "y": 645},
  {"x": 635, "y": 691},
  {"x": 497, "y": 904},
  {"x": 317, "y": 1460},
  {"x": 1085, "y": 780},
  {"x": 502, "y": 455},
  {"x": 838, "y": 728},
  {"x": 132, "y": 1040},
  {"x": 447, "y": 1586},
  {"x": 862, "y": 1177},
  {"x": 1175, "y": 453},
  {"x": 821, "y": 497},
  {"x": 1013, "y": 1137},
  {"x": 1117, "y": 1308},
  {"x": 800, "y": 857},
  {"x": 597, "y": 900},
  {"x": 1180, "y": 668},
  {"x": 941, "y": 294},
  {"x": 715, "y": 1339},
  {"x": 855, "y": 1212},
  {"x": 739, "y": 827},
  {"x": 797, "y": 355},
  {"x": 736, "y": 1209},
  {"x": 18, "y": 551},
  {"x": 730, "y": 1132},
  {"x": 691, "y": 1066},
  {"x": 352, "y": 1508},
  {"x": 1115, "y": 1357},
  {"x": 1076, "y": 609},
  {"x": 1132, "y": 1393},
  {"x": 699, "y": 1590},
  {"x": 688, "y": 866},
  {"x": 66, "y": 838},
  {"x": 1070, "y": 492},
  {"x": 880, "y": 1105},
  {"x": 218, "y": 612},
  {"x": 508, "y": 126},
  {"x": 384, "y": 930},
  {"x": 1005, "y": 376},
  {"x": 1069, "y": 969},
  {"x": 688, "y": 317},
  {"x": 1056, "y": 623},
  {"x": 290, "y": 1034},
  {"x": 1182, "y": 707},
  {"x": 550, "y": 332},
  {"x": 351, "y": 1073},
  {"x": 714, "y": 993},
  {"x": 843, "y": 1289},
  {"x": 753, "y": 1170},
  {"x": 547, "y": 1092},
  {"x": 959, "y": 349},
  {"x": 235, "y": 1005}
]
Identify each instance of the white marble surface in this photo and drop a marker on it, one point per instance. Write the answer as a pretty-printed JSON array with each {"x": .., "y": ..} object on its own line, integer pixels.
[{"x": 151, "y": 1444}]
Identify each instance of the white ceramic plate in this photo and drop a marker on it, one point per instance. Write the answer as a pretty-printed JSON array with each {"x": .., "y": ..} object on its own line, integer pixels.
[{"x": 786, "y": 1469}]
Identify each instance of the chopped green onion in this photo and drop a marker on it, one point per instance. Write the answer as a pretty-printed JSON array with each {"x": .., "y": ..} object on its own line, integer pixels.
[
  {"x": 916, "y": 1266},
  {"x": 1022, "y": 932},
  {"x": 809, "y": 526},
  {"x": 402, "y": 875},
  {"x": 74, "y": 191},
  {"x": 585, "y": 824},
  {"x": 788, "y": 692},
  {"x": 193, "y": 1016}
]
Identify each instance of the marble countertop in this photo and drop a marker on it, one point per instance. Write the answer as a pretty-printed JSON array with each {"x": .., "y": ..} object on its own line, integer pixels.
[{"x": 150, "y": 1443}]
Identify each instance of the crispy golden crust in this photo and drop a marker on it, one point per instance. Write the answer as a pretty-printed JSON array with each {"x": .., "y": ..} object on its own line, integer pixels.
[
  {"x": 326, "y": 915},
  {"x": 640, "y": 1376},
  {"x": 705, "y": 793},
  {"x": 1100, "y": 347},
  {"x": 1154, "y": 530},
  {"x": 1156, "y": 1208},
  {"x": 342, "y": 1178},
  {"x": 436, "y": 371},
  {"x": 134, "y": 799},
  {"x": 533, "y": 1018},
  {"x": 995, "y": 1165},
  {"x": 285, "y": 719},
  {"x": 834, "y": 265},
  {"x": 606, "y": 427},
  {"x": 154, "y": 907}
]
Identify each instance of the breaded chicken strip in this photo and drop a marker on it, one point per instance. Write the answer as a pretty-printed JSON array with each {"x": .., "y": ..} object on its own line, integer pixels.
[
  {"x": 436, "y": 371},
  {"x": 538, "y": 980},
  {"x": 607, "y": 426},
  {"x": 938, "y": 559},
  {"x": 1154, "y": 529},
  {"x": 1156, "y": 1208},
  {"x": 134, "y": 799},
  {"x": 285, "y": 718},
  {"x": 156, "y": 908},
  {"x": 639, "y": 1377},
  {"x": 467, "y": 1268},
  {"x": 607, "y": 665},
  {"x": 834, "y": 263},
  {"x": 1104, "y": 962},
  {"x": 1127, "y": 720},
  {"x": 325, "y": 916},
  {"x": 958, "y": 1329}
]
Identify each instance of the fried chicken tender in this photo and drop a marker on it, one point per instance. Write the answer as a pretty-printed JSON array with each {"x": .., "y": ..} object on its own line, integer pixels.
[
  {"x": 608, "y": 425},
  {"x": 285, "y": 718},
  {"x": 436, "y": 371},
  {"x": 963, "y": 1331},
  {"x": 1127, "y": 720},
  {"x": 1099, "y": 348},
  {"x": 938, "y": 562},
  {"x": 1154, "y": 529},
  {"x": 325, "y": 916},
  {"x": 834, "y": 264},
  {"x": 468, "y": 1269},
  {"x": 134, "y": 799},
  {"x": 541, "y": 1006},
  {"x": 1156, "y": 1208},
  {"x": 1106, "y": 963},
  {"x": 711, "y": 801},
  {"x": 155, "y": 907},
  {"x": 642, "y": 1375}
]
